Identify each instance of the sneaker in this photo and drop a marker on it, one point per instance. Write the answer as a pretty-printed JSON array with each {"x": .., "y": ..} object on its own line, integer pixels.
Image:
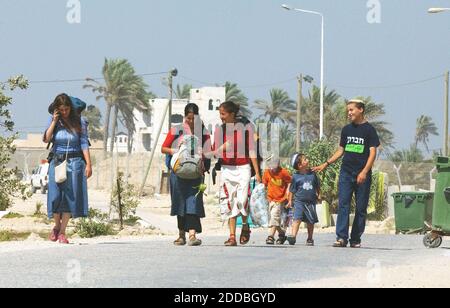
[
  {"x": 62, "y": 239},
  {"x": 54, "y": 235},
  {"x": 292, "y": 240},
  {"x": 355, "y": 245}
]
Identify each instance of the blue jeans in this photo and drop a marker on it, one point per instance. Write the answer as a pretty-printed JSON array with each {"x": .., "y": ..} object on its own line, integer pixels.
[{"x": 347, "y": 188}]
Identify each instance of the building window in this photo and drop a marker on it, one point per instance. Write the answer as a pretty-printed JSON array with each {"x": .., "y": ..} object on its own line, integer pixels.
[
  {"x": 147, "y": 142},
  {"x": 147, "y": 118},
  {"x": 211, "y": 105}
]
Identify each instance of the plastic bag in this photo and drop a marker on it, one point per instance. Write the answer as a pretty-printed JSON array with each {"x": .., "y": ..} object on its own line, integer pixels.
[{"x": 259, "y": 207}]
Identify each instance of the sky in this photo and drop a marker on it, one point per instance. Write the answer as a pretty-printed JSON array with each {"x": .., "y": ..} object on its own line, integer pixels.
[{"x": 254, "y": 43}]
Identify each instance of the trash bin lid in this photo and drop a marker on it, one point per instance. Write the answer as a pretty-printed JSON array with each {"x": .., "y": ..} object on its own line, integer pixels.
[{"x": 443, "y": 162}]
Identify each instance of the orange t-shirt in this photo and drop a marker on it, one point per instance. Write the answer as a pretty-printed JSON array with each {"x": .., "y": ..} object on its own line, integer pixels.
[{"x": 277, "y": 185}]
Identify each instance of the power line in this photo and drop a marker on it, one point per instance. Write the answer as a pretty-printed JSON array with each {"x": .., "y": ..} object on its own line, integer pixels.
[
  {"x": 391, "y": 86},
  {"x": 242, "y": 87},
  {"x": 84, "y": 79}
]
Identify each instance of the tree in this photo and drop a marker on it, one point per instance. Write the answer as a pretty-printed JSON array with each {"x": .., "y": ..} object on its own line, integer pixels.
[
  {"x": 10, "y": 184},
  {"x": 278, "y": 108},
  {"x": 311, "y": 115},
  {"x": 424, "y": 128},
  {"x": 335, "y": 117},
  {"x": 123, "y": 91},
  {"x": 183, "y": 92},
  {"x": 411, "y": 155},
  {"x": 94, "y": 118},
  {"x": 234, "y": 94}
]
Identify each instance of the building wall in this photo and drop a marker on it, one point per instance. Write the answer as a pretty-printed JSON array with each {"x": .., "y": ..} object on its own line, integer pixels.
[{"x": 208, "y": 99}]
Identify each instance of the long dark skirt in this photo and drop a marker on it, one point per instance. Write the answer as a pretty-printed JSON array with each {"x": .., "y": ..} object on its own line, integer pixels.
[
  {"x": 189, "y": 222},
  {"x": 186, "y": 201}
]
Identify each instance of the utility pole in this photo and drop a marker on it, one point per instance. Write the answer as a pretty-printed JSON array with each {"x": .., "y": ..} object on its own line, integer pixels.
[
  {"x": 299, "y": 113},
  {"x": 446, "y": 113},
  {"x": 172, "y": 73}
]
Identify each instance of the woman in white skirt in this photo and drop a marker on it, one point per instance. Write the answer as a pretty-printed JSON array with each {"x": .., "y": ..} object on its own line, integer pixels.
[{"x": 236, "y": 147}]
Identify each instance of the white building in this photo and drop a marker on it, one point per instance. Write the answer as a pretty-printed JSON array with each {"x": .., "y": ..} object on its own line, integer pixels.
[
  {"x": 120, "y": 143},
  {"x": 208, "y": 99}
]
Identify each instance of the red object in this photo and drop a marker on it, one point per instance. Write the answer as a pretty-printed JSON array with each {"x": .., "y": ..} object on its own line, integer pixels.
[
  {"x": 238, "y": 149},
  {"x": 62, "y": 239}
]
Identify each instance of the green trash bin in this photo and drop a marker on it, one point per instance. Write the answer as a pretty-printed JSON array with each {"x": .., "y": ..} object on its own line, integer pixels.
[
  {"x": 441, "y": 209},
  {"x": 413, "y": 211}
]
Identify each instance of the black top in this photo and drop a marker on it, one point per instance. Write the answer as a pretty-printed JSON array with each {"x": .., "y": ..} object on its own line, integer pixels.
[{"x": 357, "y": 141}]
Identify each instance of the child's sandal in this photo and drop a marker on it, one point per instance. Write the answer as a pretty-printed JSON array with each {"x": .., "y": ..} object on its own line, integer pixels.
[
  {"x": 245, "y": 235},
  {"x": 270, "y": 240},
  {"x": 281, "y": 240}
]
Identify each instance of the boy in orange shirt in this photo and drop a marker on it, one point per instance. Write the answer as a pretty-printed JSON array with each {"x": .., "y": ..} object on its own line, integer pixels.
[{"x": 276, "y": 180}]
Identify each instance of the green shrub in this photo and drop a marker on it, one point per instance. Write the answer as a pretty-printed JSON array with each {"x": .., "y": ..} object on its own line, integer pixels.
[
  {"x": 12, "y": 215},
  {"x": 7, "y": 236},
  {"x": 96, "y": 224},
  {"x": 89, "y": 228},
  {"x": 129, "y": 198},
  {"x": 318, "y": 153}
]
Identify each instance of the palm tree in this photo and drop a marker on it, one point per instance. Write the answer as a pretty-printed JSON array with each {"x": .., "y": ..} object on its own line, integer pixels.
[
  {"x": 311, "y": 115},
  {"x": 94, "y": 118},
  {"x": 425, "y": 127},
  {"x": 233, "y": 93},
  {"x": 183, "y": 92},
  {"x": 278, "y": 108},
  {"x": 122, "y": 91}
]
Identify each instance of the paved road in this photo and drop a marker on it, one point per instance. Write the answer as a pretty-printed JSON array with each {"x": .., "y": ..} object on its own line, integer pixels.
[{"x": 156, "y": 263}]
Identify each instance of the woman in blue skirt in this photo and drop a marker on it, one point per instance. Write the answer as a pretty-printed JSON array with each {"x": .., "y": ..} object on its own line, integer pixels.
[
  {"x": 68, "y": 133},
  {"x": 187, "y": 199}
]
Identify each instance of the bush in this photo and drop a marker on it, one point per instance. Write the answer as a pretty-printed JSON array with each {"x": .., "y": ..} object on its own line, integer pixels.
[
  {"x": 129, "y": 198},
  {"x": 318, "y": 153},
  {"x": 95, "y": 225},
  {"x": 37, "y": 211},
  {"x": 7, "y": 236},
  {"x": 10, "y": 184},
  {"x": 12, "y": 215}
]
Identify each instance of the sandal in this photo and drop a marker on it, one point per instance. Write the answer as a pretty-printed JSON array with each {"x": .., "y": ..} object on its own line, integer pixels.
[
  {"x": 270, "y": 240},
  {"x": 355, "y": 245},
  {"x": 281, "y": 240},
  {"x": 193, "y": 241},
  {"x": 231, "y": 242},
  {"x": 181, "y": 241},
  {"x": 245, "y": 235},
  {"x": 310, "y": 242},
  {"x": 340, "y": 244}
]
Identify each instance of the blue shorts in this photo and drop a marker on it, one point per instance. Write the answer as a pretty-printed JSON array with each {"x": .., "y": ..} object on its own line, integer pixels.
[{"x": 306, "y": 212}]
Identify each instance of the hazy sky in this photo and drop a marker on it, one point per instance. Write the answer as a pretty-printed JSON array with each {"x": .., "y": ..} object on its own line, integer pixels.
[{"x": 254, "y": 43}]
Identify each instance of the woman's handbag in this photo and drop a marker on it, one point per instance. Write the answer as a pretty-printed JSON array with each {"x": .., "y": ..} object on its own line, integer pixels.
[{"x": 61, "y": 169}]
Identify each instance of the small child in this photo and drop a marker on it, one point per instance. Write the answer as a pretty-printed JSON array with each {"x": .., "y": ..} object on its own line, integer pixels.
[
  {"x": 276, "y": 180},
  {"x": 303, "y": 196}
]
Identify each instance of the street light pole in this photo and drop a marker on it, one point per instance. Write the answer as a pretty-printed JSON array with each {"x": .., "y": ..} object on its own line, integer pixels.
[
  {"x": 446, "y": 114},
  {"x": 172, "y": 73},
  {"x": 322, "y": 61},
  {"x": 299, "y": 113},
  {"x": 435, "y": 10}
]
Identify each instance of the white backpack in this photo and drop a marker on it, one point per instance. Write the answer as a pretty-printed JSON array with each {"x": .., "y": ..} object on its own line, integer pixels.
[{"x": 187, "y": 164}]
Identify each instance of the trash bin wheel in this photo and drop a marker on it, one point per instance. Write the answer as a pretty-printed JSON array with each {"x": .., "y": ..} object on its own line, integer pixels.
[{"x": 432, "y": 242}]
